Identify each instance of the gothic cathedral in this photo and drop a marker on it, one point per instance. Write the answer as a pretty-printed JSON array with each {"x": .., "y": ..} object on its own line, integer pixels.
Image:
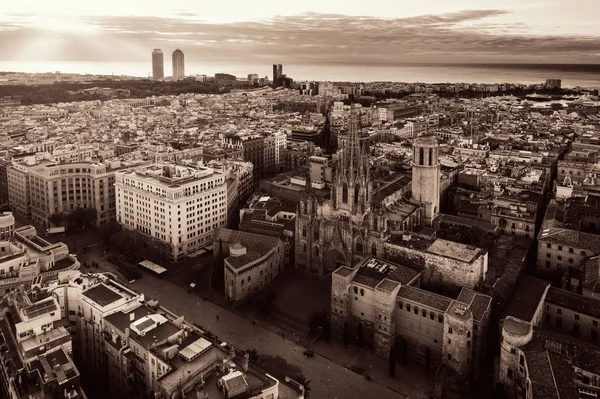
[{"x": 352, "y": 224}]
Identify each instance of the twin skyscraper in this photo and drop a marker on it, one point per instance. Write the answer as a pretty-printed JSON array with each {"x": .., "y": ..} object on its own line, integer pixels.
[{"x": 158, "y": 64}]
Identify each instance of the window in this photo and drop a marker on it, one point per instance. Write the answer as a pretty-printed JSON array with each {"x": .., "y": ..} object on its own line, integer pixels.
[
  {"x": 441, "y": 318},
  {"x": 316, "y": 233},
  {"x": 547, "y": 264},
  {"x": 449, "y": 330},
  {"x": 362, "y": 292},
  {"x": 408, "y": 307},
  {"x": 559, "y": 257},
  {"x": 449, "y": 341},
  {"x": 570, "y": 250},
  {"x": 356, "y": 290},
  {"x": 576, "y": 317},
  {"x": 449, "y": 356},
  {"x": 424, "y": 312},
  {"x": 416, "y": 310},
  {"x": 400, "y": 305},
  {"x": 359, "y": 245},
  {"x": 548, "y": 255},
  {"x": 431, "y": 315},
  {"x": 548, "y": 245},
  {"x": 558, "y": 311},
  {"x": 560, "y": 247}
]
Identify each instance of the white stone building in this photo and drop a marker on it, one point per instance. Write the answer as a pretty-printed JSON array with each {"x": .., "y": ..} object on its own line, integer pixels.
[{"x": 178, "y": 205}]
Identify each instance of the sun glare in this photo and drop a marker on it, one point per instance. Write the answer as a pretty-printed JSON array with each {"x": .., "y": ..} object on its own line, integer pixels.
[{"x": 66, "y": 24}]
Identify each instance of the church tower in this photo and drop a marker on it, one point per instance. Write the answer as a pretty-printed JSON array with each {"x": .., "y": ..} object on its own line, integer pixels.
[
  {"x": 426, "y": 177},
  {"x": 352, "y": 188}
]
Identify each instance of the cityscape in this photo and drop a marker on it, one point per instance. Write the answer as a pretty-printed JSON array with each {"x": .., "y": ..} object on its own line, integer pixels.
[{"x": 199, "y": 234}]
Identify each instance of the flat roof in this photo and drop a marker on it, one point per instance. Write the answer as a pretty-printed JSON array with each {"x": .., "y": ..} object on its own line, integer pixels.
[
  {"x": 454, "y": 250},
  {"x": 526, "y": 298},
  {"x": 158, "y": 269},
  {"x": 102, "y": 295}
]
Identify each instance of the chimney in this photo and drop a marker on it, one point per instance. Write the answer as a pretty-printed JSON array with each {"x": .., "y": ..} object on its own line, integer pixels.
[
  {"x": 126, "y": 336},
  {"x": 132, "y": 316}
]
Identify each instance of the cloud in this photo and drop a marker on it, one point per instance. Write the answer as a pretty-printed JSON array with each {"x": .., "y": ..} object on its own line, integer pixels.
[{"x": 466, "y": 36}]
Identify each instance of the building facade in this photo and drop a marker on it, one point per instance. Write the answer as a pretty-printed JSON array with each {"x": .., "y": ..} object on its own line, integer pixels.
[
  {"x": 426, "y": 169},
  {"x": 251, "y": 261},
  {"x": 178, "y": 206},
  {"x": 383, "y": 301},
  {"x": 158, "y": 64},
  {"x": 178, "y": 65},
  {"x": 41, "y": 188}
]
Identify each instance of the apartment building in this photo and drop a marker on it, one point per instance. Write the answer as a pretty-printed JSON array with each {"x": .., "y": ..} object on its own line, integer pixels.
[
  {"x": 25, "y": 257},
  {"x": 40, "y": 188},
  {"x": 252, "y": 147},
  {"x": 180, "y": 206},
  {"x": 136, "y": 347},
  {"x": 252, "y": 261},
  {"x": 36, "y": 348},
  {"x": 549, "y": 340},
  {"x": 383, "y": 301},
  {"x": 562, "y": 246}
]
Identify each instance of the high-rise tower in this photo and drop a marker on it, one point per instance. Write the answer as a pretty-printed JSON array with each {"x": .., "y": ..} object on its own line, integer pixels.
[
  {"x": 178, "y": 65},
  {"x": 277, "y": 71},
  {"x": 426, "y": 176},
  {"x": 158, "y": 65}
]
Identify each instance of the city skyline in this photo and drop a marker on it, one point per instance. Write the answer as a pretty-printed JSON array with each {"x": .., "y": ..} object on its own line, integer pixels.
[{"x": 465, "y": 31}]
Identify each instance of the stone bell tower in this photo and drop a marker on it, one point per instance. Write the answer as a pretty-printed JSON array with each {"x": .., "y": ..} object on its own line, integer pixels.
[{"x": 426, "y": 177}]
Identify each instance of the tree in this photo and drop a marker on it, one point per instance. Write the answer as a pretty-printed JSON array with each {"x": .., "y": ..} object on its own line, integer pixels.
[
  {"x": 82, "y": 217},
  {"x": 346, "y": 334},
  {"x": 359, "y": 335},
  {"x": 392, "y": 361},
  {"x": 107, "y": 230},
  {"x": 217, "y": 277},
  {"x": 319, "y": 323},
  {"x": 57, "y": 219}
]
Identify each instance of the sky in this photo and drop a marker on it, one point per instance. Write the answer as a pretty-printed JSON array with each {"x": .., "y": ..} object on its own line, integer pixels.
[{"x": 303, "y": 31}]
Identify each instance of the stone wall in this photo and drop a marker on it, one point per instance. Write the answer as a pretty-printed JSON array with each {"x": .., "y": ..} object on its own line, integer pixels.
[{"x": 436, "y": 268}]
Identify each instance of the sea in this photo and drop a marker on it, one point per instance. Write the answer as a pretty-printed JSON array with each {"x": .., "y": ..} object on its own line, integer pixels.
[{"x": 572, "y": 75}]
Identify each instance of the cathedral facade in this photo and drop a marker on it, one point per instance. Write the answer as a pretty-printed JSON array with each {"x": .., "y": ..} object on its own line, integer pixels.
[{"x": 351, "y": 224}]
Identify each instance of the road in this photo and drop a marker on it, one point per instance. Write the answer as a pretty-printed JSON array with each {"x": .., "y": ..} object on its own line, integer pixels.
[{"x": 328, "y": 379}]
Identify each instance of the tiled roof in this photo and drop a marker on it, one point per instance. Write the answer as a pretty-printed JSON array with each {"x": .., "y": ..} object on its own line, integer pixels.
[
  {"x": 573, "y": 301},
  {"x": 572, "y": 238},
  {"x": 256, "y": 245},
  {"x": 423, "y": 297}
]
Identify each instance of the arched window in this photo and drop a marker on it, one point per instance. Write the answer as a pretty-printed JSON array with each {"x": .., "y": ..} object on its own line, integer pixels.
[
  {"x": 304, "y": 247},
  {"x": 304, "y": 231},
  {"x": 374, "y": 249},
  {"x": 430, "y": 156},
  {"x": 355, "y": 289},
  {"x": 356, "y": 193},
  {"x": 316, "y": 251},
  {"x": 421, "y": 156},
  {"x": 375, "y": 226},
  {"x": 359, "y": 245},
  {"x": 316, "y": 233},
  {"x": 345, "y": 193}
]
